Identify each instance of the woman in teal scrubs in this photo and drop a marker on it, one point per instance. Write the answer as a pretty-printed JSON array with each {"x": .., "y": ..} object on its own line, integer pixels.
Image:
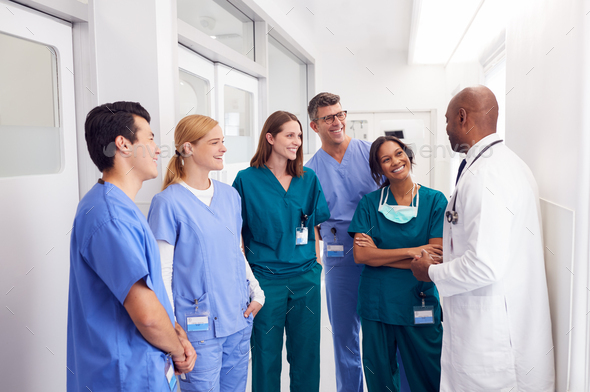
[
  {"x": 282, "y": 202},
  {"x": 390, "y": 226}
]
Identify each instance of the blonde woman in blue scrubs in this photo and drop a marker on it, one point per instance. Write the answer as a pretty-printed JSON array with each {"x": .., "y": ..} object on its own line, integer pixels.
[
  {"x": 282, "y": 202},
  {"x": 197, "y": 223},
  {"x": 390, "y": 226}
]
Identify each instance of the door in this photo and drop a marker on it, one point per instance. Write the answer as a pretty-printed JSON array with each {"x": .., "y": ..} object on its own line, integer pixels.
[
  {"x": 237, "y": 113},
  {"x": 226, "y": 95},
  {"x": 38, "y": 196}
]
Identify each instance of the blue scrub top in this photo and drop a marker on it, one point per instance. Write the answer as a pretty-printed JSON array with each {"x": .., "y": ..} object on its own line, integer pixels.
[
  {"x": 112, "y": 247},
  {"x": 344, "y": 184},
  {"x": 389, "y": 294},
  {"x": 208, "y": 262},
  {"x": 271, "y": 216}
]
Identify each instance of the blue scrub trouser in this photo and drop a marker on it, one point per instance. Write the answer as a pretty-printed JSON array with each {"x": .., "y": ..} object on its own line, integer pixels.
[
  {"x": 221, "y": 365},
  {"x": 342, "y": 284}
]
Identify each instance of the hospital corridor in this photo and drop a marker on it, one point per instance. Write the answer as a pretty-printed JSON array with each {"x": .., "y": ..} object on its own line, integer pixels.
[{"x": 304, "y": 196}]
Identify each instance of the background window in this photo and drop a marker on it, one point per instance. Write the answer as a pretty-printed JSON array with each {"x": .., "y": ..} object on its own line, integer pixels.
[
  {"x": 287, "y": 85},
  {"x": 238, "y": 117},
  {"x": 193, "y": 95},
  {"x": 221, "y": 21},
  {"x": 29, "y": 120}
]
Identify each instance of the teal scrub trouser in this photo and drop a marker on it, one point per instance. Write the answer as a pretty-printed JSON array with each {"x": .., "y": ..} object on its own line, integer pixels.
[
  {"x": 292, "y": 305},
  {"x": 419, "y": 346}
]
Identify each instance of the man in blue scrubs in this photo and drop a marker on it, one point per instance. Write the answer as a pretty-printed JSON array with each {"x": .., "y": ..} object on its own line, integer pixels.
[
  {"x": 121, "y": 332},
  {"x": 342, "y": 166}
]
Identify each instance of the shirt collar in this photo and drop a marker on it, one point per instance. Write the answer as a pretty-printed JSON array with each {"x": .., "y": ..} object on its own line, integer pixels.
[{"x": 477, "y": 147}]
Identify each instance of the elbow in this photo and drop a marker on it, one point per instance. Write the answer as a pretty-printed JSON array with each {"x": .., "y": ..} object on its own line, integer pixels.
[
  {"x": 146, "y": 321},
  {"x": 359, "y": 258}
]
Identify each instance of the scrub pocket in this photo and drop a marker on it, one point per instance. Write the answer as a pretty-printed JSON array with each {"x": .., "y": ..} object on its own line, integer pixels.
[
  {"x": 245, "y": 342},
  {"x": 480, "y": 336},
  {"x": 205, "y": 374},
  {"x": 156, "y": 362},
  {"x": 369, "y": 298},
  {"x": 186, "y": 307}
]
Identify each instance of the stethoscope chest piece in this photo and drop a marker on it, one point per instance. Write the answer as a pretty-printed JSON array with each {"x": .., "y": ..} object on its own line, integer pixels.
[{"x": 452, "y": 217}]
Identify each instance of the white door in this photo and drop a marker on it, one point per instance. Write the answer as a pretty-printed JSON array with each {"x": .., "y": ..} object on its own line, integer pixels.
[
  {"x": 226, "y": 95},
  {"x": 237, "y": 113},
  {"x": 38, "y": 196}
]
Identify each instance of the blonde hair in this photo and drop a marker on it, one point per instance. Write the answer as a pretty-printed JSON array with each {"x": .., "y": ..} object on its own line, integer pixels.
[{"x": 190, "y": 129}]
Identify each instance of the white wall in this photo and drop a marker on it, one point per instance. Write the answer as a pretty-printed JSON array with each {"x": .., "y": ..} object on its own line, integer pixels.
[
  {"x": 388, "y": 84},
  {"x": 547, "y": 123}
]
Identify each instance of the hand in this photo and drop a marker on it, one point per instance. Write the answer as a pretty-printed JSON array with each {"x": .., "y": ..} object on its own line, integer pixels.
[
  {"x": 253, "y": 308},
  {"x": 364, "y": 241},
  {"x": 420, "y": 266},
  {"x": 435, "y": 251},
  {"x": 190, "y": 356}
]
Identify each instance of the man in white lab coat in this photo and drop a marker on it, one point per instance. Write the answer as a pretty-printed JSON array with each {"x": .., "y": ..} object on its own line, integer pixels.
[{"x": 497, "y": 329}]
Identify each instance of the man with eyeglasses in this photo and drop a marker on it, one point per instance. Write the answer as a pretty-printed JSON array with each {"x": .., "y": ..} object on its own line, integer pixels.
[{"x": 342, "y": 166}]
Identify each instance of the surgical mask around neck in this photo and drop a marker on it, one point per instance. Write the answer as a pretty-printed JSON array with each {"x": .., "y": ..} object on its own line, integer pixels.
[{"x": 399, "y": 214}]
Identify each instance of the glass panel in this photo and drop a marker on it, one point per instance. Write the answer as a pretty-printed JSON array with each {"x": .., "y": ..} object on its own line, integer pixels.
[
  {"x": 287, "y": 85},
  {"x": 222, "y": 21},
  {"x": 29, "y": 123},
  {"x": 238, "y": 116},
  {"x": 194, "y": 95}
]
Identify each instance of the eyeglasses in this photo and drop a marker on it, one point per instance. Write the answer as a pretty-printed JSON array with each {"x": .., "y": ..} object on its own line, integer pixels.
[{"x": 330, "y": 119}]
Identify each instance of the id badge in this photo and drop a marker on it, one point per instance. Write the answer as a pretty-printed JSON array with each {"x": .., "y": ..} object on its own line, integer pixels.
[
  {"x": 423, "y": 315},
  {"x": 170, "y": 376},
  {"x": 301, "y": 236},
  {"x": 197, "y": 322},
  {"x": 335, "y": 250}
]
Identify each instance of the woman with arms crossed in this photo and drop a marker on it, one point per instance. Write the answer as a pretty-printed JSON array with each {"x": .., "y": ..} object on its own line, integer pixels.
[
  {"x": 390, "y": 226},
  {"x": 197, "y": 223}
]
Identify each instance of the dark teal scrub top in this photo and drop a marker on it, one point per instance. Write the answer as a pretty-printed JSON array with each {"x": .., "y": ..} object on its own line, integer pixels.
[
  {"x": 270, "y": 217},
  {"x": 389, "y": 294}
]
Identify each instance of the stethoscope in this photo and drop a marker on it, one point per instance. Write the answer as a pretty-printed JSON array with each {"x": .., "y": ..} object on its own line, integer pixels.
[{"x": 452, "y": 216}]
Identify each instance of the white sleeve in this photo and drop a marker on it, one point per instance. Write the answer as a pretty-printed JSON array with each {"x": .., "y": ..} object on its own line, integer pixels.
[
  {"x": 166, "y": 259},
  {"x": 256, "y": 293}
]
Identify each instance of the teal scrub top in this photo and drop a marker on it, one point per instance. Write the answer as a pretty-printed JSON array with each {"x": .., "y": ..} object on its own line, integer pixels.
[
  {"x": 389, "y": 294},
  {"x": 270, "y": 217}
]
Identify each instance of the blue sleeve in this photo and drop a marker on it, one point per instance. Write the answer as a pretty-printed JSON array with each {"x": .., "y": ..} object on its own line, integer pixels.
[
  {"x": 322, "y": 212},
  {"x": 162, "y": 220},
  {"x": 437, "y": 219},
  {"x": 361, "y": 221},
  {"x": 116, "y": 252}
]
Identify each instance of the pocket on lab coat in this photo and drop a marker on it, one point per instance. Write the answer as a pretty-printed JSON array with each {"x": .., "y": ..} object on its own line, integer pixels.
[
  {"x": 480, "y": 335},
  {"x": 156, "y": 375}
]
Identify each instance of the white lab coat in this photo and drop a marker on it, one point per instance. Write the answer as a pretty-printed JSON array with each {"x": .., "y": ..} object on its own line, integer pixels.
[{"x": 497, "y": 328}]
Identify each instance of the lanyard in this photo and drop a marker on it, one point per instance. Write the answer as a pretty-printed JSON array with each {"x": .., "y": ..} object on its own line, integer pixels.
[{"x": 452, "y": 216}]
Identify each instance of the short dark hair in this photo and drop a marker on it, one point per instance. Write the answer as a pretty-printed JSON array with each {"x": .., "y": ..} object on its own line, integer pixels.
[
  {"x": 104, "y": 123},
  {"x": 274, "y": 125},
  {"x": 374, "y": 163},
  {"x": 319, "y": 101}
]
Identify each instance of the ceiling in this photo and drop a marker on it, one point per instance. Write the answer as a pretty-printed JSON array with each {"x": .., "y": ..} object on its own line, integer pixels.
[{"x": 382, "y": 25}]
